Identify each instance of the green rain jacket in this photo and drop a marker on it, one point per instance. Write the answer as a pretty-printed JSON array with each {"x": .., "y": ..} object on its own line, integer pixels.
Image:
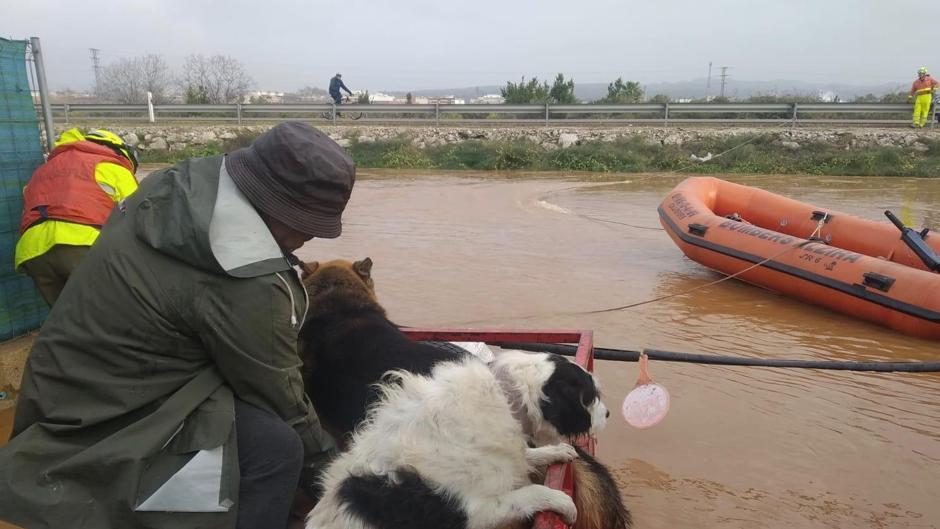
[{"x": 126, "y": 415}]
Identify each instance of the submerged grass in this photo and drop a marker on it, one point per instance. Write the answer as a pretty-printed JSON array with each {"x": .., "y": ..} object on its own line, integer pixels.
[{"x": 757, "y": 154}]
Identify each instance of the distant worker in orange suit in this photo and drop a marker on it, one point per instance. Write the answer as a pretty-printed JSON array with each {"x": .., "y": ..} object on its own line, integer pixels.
[
  {"x": 66, "y": 202},
  {"x": 922, "y": 92}
]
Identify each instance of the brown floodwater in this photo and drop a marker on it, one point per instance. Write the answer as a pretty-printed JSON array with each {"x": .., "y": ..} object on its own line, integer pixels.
[{"x": 741, "y": 447}]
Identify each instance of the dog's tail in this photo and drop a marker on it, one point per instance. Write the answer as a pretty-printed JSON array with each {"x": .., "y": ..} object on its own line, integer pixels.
[{"x": 596, "y": 496}]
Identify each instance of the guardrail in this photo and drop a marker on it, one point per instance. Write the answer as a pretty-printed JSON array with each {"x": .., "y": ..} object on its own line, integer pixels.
[{"x": 663, "y": 114}]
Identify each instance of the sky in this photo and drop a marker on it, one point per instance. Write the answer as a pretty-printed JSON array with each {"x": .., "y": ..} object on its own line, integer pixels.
[{"x": 404, "y": 45}]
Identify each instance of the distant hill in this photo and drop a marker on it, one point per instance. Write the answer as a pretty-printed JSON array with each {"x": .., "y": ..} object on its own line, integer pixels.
[
  {"x": 743, "y": 89},
  {"x": 695, "y": 89}
]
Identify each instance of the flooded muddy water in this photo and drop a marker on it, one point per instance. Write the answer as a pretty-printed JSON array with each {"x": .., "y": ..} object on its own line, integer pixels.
[{"x": 741, "y": 447}]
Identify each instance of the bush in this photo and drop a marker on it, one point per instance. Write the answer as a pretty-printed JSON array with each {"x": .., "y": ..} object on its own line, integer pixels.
[
  {"x": 471, "y": 154},
  {"x": 518, "y": 155},
  {"x": 407, "y": 157},
  {"x": 604, "y": 157},
  {"x": 398, "y": 153}
]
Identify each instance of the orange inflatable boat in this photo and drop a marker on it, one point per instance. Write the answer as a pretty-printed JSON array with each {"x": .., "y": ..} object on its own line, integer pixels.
[{"x": 863, "y": 268}]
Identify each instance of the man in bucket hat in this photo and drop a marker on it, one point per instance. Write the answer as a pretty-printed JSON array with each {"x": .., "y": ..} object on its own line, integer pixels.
[{"x": 165, "y": 388}]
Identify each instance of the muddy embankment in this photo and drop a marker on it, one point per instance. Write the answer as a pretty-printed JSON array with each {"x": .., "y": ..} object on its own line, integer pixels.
[{"x": 624, "y": 149}]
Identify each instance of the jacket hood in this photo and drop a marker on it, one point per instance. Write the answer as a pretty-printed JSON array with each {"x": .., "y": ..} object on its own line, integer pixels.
[{"x": 193, "y": 212}]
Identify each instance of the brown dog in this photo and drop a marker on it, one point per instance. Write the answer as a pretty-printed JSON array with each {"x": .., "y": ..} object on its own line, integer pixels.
[{"x": 348, "y": 344}]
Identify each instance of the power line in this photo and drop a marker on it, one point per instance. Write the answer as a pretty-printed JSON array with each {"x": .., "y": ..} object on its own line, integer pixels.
[
  {"x": 96, "y": 64},
  {"x": 708, "y": 83},
  {"x": 724, "y": 78}
]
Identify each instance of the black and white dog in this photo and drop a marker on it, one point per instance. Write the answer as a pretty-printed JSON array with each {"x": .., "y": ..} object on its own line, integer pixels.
[
  {"x": 449, "y": 450},
  {"x": 447, "y": 440}
]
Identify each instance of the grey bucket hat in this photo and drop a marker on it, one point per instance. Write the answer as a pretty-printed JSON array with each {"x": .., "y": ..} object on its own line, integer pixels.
[{"x": 297, "y": 175}]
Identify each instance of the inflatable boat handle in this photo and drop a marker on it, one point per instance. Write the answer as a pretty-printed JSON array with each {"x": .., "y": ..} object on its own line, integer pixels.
[{"x": 916, "y": 243}]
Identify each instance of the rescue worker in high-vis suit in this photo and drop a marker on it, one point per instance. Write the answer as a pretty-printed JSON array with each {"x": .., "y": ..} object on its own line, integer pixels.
[
  {"x": 922, "y": 92},
  {"x": 66, "y": 202}
]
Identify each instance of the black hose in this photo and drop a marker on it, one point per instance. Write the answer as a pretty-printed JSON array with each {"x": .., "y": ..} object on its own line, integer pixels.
[{"x": 622, "y": 355}]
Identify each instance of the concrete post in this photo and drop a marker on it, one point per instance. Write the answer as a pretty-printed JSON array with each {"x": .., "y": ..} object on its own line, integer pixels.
[{"x": 150, "y": 114}]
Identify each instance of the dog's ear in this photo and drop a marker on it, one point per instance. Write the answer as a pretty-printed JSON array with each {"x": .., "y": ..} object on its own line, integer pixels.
[
  {"x": 570, "y": 393},
  {"x": 307, "y": 269},
  {"x": 363, "y": 268}
]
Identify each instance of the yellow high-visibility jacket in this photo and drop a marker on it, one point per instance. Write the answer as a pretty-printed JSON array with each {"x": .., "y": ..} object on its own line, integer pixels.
[{"x": 114, "y": 179}]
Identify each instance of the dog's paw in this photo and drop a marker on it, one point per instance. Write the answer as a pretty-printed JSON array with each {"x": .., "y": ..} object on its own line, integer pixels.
[
  {"x": 564, "y": 452},
  {"x": 562, "y": 504},
  {"x": 551, "y": 454}
]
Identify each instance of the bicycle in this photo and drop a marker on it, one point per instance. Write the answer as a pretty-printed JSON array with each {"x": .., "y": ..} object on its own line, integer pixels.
[{"x": 348, "y": 115}]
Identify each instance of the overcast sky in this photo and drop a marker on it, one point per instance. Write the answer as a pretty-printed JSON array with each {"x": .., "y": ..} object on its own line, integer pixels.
[{"x": 418, "y": 44}]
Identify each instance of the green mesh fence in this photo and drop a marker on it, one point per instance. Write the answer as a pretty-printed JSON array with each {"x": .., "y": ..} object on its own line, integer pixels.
[{"x": 21, "y": 308}]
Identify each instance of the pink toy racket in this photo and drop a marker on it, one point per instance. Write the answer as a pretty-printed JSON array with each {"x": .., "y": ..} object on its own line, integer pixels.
[{"x": 648, "y": 403}]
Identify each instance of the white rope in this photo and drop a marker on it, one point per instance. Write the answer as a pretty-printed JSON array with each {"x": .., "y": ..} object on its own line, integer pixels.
[
  {"x": 819, "y": 225},
  {"x": 816, "y": 232}
]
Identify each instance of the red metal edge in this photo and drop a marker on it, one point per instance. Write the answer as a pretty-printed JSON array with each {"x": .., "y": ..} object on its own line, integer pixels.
[
  {"x": 559, "y": 477},
  {"x": 584, "y": 338}
]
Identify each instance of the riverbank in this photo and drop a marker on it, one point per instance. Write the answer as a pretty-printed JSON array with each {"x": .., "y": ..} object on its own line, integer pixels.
[
  {"x": 13, "y": 355},
  {"x": 750, "y": 154},
  {"x": 852, "y": 152}
]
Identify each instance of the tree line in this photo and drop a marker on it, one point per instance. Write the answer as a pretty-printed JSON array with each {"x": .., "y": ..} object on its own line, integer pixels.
[
  {"x": 203, "y": 79},
  {"x": 561, "y": 92}
]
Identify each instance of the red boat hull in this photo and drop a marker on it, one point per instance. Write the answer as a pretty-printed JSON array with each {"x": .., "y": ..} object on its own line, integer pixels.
[{"x": 857, "y": 267}]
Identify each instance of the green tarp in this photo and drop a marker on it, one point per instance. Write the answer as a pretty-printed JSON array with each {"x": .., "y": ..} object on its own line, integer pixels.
[{"x": 21, "y": 308}]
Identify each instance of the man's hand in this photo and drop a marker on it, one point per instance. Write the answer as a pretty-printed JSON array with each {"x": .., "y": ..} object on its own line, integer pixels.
[
  {"x": 302, "y": 506},
  {"x": 310, "y": 475},
  {"x": 309, "y": 491}
]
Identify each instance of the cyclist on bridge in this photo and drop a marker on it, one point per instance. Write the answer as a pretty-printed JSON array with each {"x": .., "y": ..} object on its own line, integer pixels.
[{"x": 336, "y": 83}]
